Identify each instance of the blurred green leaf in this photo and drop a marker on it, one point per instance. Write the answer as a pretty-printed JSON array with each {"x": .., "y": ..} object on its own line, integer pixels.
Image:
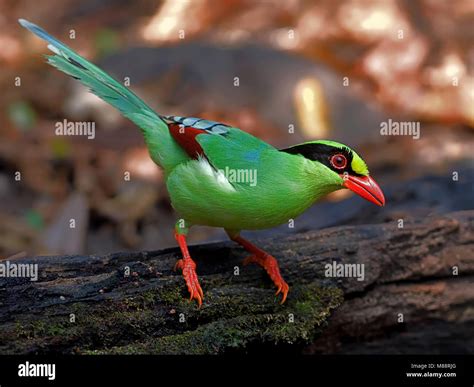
[
  {"x": 106, "y": 42},
  {"x": 22, "y": 115},
  {"x": 60, "y": 148},
  {"x": 34, "y": 219}
]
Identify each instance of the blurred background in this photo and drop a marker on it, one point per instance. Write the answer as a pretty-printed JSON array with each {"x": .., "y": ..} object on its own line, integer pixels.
[{"x": 284, "y": 71}]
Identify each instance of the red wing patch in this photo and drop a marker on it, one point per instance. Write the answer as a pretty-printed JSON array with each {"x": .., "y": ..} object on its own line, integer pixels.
[{"x": 186, "y": 138}]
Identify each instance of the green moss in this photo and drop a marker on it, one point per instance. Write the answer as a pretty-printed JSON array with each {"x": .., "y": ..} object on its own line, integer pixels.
[
  {"x": 21, "y": 331},
  {"x": 95, "y": 326},
  {"x": 296, "y": 322},
  {"x": 41, "y": 329},
  {"x": 172, "y": 295},
  {"x": 230, "y": 320}
]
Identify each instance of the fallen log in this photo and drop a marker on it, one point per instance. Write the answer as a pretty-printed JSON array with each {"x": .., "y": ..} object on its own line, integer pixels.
[{"x": 406, "y": 284}]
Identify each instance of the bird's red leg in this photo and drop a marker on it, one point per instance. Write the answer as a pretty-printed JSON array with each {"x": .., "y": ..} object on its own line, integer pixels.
[
  {"x": 268, "y": 262},
  {"x": 188, "y": 266}
]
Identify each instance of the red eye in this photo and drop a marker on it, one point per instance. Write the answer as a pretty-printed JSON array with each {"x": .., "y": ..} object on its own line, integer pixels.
[{"x": 338, "y": 161}]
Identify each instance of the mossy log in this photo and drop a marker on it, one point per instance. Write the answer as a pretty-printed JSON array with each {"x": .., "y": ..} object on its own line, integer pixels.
[{"x": 136, "y": 303}]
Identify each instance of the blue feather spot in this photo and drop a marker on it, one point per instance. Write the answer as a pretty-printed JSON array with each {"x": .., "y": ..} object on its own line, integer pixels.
[{"x": 252, "y": 155}]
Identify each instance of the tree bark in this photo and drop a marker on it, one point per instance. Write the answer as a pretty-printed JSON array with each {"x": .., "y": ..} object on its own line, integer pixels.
[{"x": 416, "y": 296}]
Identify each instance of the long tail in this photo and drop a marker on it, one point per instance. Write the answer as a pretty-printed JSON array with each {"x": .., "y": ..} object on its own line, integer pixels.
[{"x": 163, "y": 149}]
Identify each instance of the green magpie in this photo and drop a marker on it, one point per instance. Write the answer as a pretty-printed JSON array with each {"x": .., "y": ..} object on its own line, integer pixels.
[{"x": 198, "y": 156}]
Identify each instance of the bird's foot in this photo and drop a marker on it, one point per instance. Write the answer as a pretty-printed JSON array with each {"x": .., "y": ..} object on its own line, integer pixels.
[
  {"x": 270, "y": 264},
  {"x": 188, "y": 267}
]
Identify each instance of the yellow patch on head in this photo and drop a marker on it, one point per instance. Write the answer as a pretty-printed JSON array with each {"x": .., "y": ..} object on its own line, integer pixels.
[{"x": 358, "y": 165}]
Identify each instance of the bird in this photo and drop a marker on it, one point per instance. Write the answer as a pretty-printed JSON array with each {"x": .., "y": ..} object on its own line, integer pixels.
[{"x": 220, "y": 176}]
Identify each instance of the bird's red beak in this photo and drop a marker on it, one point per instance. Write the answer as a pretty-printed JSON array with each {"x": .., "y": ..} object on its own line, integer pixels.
[{"x": 366, "y": 187}]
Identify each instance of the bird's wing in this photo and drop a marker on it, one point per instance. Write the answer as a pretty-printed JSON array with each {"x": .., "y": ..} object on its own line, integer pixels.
[{"x": 223, "y": 145}]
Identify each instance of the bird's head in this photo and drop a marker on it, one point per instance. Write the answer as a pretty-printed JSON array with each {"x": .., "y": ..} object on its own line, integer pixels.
[{"x": 338, "y": 159}]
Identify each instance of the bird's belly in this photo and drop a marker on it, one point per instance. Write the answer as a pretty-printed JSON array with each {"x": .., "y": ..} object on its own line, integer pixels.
[
  {"x": 201, "y": 197},
  {"x": 203, "y": 202},
  {"x": 237, "y": 216},
  {"x": 230, "y": 218}
]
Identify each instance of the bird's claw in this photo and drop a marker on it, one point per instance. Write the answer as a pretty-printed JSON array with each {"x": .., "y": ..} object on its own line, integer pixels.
[
  {"x": 283, "y": 288},
  {"x": 270, "y": 264},
  {"x": 188, "y": 268}
]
